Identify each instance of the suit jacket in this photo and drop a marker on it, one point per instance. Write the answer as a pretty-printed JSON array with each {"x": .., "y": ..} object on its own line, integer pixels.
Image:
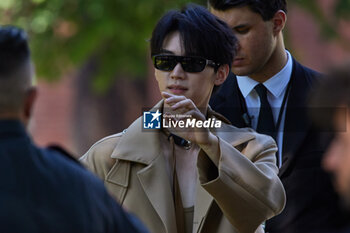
[
  {"x": 312, "y": 204},
  {"x": 44, "y": 191},
  {"x": 234, "y": 194}
]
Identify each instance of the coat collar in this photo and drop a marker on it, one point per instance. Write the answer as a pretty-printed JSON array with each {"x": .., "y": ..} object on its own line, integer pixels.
[
  {"x": 135, "y": 143},
  {"x": 143, "y": 146}
]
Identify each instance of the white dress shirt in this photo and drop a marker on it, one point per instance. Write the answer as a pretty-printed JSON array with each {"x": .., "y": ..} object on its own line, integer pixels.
[{"x": 276, "y": 90}]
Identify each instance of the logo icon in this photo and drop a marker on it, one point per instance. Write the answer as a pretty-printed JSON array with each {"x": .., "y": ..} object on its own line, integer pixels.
[{"x": 151, "y": 120}]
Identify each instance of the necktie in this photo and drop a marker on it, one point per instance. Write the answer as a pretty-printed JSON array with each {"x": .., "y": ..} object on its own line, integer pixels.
[{"x": 266, "y": 125}]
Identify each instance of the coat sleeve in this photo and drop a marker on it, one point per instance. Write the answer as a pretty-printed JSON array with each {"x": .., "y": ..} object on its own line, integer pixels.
[{"x": 244, "y": 182}]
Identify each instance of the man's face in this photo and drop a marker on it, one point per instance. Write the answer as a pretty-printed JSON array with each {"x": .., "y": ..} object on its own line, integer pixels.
[
  {"x": 337, "y": 157},
  {"x": 256, "y": 42},
  {"x": 195, "y": 86}
]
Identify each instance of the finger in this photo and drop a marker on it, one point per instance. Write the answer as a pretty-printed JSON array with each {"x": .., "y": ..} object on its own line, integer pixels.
[
  {"x": 186, "y": 104},
  {"x": 171, "y": 123},
  {"x": 166, "y": 94},
  {"x": 174, "y": 99},
  {"x": 195, "y": 113}
]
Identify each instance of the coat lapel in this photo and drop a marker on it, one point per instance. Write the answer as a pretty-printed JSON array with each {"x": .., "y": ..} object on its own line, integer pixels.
[
  {"x": 155, "y": 183},
  {"x": 203, "y": 202},
  {"x": 135, "y": 146},
  {"x": 297, "y": 123}
]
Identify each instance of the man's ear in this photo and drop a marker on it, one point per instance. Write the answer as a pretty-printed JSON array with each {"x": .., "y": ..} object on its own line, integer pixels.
[
  {"x": 221, "y": 74},
  {"x": 29, "y": 103},
  {"x": 279, "y": 21}
]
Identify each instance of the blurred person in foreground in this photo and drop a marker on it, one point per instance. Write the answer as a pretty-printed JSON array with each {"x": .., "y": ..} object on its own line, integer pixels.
[
  {"x": 330, "y": 109},
  {"x": 191, "y": 178},
  {"x": 43, "y": 190},
  {"x": 267, "y": 90}
]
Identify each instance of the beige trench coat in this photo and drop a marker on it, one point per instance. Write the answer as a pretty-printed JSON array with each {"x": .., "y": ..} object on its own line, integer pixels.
[{"x": 237, "y": 193}]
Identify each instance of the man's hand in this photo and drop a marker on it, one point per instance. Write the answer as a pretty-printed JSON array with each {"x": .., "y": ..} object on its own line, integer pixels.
[{"x": 183, "y": 108}]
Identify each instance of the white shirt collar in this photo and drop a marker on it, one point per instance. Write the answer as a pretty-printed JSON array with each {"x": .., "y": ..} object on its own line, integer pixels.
[{"x": 276, "y": 84}]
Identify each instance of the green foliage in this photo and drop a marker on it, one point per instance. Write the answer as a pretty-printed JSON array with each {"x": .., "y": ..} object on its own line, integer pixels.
[
  {"x": 342, "y": 9},
  {"x": 327, "y": 25},
  {"x": 66, "y": 33}
]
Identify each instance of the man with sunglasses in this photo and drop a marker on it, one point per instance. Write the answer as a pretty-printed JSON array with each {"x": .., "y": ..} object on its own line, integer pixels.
[
  {"x": 202, "y": 177},
  {"x": 268, "y": 92}
]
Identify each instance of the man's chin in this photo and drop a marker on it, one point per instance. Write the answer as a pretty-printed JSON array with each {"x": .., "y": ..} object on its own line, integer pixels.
[{"x": 240, "y": 71}]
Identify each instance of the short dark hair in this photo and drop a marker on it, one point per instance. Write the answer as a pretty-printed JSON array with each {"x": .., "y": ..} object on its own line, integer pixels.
[
  {"x": 330, "y": 96},
  {"x": 14, "y": 50},
  {"x": 15, "y": 68},
  {"x": 202, "y": 34},
  {"x": 266, "y": 8}
]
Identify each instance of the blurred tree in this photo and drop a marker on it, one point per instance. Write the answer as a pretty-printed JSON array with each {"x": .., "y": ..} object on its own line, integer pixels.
[
  {"x": 341, "y": 10},
  {"x": 66, "y": 33},
  {"x": 329, "y": 20}
]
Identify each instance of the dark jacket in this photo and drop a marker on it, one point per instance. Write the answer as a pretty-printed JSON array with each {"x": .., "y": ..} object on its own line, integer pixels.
[
  {"x": 44, "y": 191},
  {"x": 312, "y": 204}
]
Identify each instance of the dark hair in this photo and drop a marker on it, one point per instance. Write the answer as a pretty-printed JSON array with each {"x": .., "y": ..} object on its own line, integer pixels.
[
  {"x": 14, "y": 50},
  {"x": 202, "y": 34},
  {"x": 330, "y": 96},
  {"x": 265, "y": 8}
]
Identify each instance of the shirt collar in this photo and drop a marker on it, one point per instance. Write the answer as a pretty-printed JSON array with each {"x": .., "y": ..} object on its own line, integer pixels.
[{"x": 276, "y": 84}]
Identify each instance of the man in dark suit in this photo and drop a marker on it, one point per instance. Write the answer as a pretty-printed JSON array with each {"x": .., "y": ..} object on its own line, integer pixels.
[
  {"x": 267, "y": 91},
  {"x": 42, "y": 190}
]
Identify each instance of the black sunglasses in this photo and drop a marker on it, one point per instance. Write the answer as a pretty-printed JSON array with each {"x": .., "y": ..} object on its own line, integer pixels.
[{"x": 188, "y": 64}]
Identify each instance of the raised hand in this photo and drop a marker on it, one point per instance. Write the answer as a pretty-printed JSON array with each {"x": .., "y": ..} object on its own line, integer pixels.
[{"x": 179, "y": 108}]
